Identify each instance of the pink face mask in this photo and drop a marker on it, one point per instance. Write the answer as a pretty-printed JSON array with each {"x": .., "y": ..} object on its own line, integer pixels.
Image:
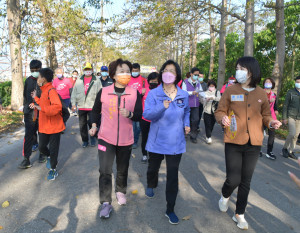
[{"x": 168, "y": 77}]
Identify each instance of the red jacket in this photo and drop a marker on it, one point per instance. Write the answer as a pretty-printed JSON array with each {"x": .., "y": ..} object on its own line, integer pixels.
[{"x": 50, "y": 117}]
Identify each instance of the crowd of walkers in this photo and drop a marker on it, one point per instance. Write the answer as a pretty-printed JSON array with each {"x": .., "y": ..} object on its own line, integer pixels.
[{"x": 117, "y": 104}]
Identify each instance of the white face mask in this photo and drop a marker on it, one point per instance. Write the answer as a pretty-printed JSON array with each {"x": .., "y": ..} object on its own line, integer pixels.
[
  {"x": 35, "y": 74},
  {"x": 87, "y": 72},
  {"x": 241, "y": 76}
]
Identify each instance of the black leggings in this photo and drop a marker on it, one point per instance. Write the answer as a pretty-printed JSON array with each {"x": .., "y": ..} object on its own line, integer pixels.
[
  {"x": 145, "y": 127},
  {"x": 209, "y": 122},
  {"x": 172, "y": 162},
  {"x": 270, "y": 140},
  {"x": 240, "y": 164},
  {"x": 53, "y": 140}
]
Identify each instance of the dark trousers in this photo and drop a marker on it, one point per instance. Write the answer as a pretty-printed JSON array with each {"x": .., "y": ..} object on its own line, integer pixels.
[
  {"x": 53, "y": 140},
  {"x": 30, "y": 138},
  {"x": 145, "y": 127},
  {"x": 107, "y": 154},
  {"x": 194, "y": 120},
  {"x": 136, "y": 131},
  {"x": 240, "y": 164},
  {"x": 200, "y": 114},
  {"x": 209, "y": 122},
  {"x": 270, "y": 140},
  {"x": 84, "y": 123},
  {"x": 172, "y": 162}
]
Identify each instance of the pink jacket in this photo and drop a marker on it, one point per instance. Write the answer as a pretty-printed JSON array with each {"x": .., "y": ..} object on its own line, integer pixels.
[
  {"x": 272, "y": 96},
  {"x": 224, "y": 87},
  {"x": 116, "y": 129},
  {"x": 138, "y": 83}
]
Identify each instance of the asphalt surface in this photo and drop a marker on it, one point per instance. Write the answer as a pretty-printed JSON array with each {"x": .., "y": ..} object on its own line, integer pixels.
[{"x": 71, "y": 202}]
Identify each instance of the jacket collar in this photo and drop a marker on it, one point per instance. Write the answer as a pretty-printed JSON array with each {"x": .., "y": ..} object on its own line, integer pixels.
[
  {"x": 93, "y": 77},
  {"x": 113, "y": 92},
  {"x": 46, "y": 86},
  {"x": 161, "y": 93},
  {"x": 191, "y": 81}
]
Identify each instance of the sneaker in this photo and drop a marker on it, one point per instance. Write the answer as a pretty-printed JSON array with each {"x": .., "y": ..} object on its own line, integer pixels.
[
  {"x": 25, "y": 164},
  {"x": 149, "y": 192},
  {"x": 292, "y": 155},
  {"x": 93, "y": 141},
  {"x": 285, "y": 153},
  {"x": 241, "y": 222},
  {"x": 52, "y": 174},
  {"x": 271, "y": 155},
  {"x": 48, "y": 164},
  {"x": 75, "y": 114},
  {"x": 194, "y": 140},
  {"x": 85, "y": 144},
  {"x": 35, "y": 147},
  {"x": 42, "y": 158},
  {"x": 173, "y": 219},
  {"x": 135, "y": 146},
  {"x": 208, "y": 140},
  {"x": 121, "y": 198},
  {"x": 223, "y": 204},
  {"x": 260, "y": 154},
  {"x": 144, "y": 159},
  {"x": 105, "y": 210}
]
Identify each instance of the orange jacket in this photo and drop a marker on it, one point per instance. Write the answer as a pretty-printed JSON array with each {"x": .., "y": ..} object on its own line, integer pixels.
[{"x": 50, "y": 117}]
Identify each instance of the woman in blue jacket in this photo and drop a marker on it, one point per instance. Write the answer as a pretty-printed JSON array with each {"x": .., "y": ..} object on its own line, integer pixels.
[{"x": 168, "y": 110}]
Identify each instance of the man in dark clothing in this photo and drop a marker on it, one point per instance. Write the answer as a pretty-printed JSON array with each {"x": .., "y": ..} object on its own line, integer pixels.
[
  {"x": 105, "y": 79},
  {"x": 31, "y": 116},
  {"x": 204, "y": 88}
]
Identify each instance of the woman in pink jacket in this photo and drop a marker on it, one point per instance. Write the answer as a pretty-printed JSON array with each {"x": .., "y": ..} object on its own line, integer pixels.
[{"x": 118, "y": 105}]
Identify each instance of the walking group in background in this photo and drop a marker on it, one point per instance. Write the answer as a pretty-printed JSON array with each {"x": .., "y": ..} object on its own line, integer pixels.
[{"x": 117, "y": 104}]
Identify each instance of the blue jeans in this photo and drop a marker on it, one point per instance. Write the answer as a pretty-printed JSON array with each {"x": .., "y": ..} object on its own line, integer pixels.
[
  {"x": 136, "y": 131},
  {"x": 66, "y": 102}
]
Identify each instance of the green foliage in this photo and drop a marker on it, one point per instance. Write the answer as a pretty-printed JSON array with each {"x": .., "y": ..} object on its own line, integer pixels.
[{"x": 5, "y": 93}]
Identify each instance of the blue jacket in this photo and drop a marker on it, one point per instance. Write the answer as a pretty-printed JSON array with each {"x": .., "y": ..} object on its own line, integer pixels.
[{"x": 166, "y": 135}]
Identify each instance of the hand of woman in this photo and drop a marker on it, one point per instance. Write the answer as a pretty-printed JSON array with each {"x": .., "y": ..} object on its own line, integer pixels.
[
  {"x": 187, "y": 129},
  {"x": 31, "y": 105},
  {"x": 225, "y": 121},
  {"x": 276, "y": 124},
  {"x": 93, "y": 131},
  {"x": 294, "y": 177},
  {"x": 167, "y": 103},
  {"x": 33, "y": 94},
  {"x": 124, "y": 112}
]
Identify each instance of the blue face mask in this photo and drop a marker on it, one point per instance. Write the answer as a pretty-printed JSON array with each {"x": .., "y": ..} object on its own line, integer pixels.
[
  {"x": 104, "y": 74},
  {"x": 200, "y": 79},
  {"x": 135, "y": 74},
  {"x": 195, "y": 77},
  {"x": 268, "y": 85},
  {"x": 297, "y": 85}
]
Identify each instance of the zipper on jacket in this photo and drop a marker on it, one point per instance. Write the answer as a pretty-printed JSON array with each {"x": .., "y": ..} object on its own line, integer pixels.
[{"x": 119, "y": 103}]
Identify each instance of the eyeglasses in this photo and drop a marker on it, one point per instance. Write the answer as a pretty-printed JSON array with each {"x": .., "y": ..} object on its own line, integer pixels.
[{"x": 171, "y": 71}]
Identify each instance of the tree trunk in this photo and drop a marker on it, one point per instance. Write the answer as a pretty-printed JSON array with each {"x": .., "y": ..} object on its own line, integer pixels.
[
  {"x": 222, "y": 46},
  {"x": 194, "y": 58},
  {"x": 277, "y": 73},
  {"x": 249, "y": 28},
  {"x": 14, "y": 27},
  {"x": 293, "y": 63},
  {"x": 212, "y": 47},
  {"x": 50, "y": 41}
]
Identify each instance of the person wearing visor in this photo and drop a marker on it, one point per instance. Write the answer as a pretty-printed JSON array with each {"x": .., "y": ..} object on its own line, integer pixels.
[
  {"x": 83, "y": 95},
  {"x": 193, "y": 87},
  {"x": 118, "y": 105},
  {"x": 105, "y": 79}
]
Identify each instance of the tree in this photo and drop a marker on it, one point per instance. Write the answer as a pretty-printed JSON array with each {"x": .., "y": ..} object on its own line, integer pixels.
[{"x": 249, "y": 28}]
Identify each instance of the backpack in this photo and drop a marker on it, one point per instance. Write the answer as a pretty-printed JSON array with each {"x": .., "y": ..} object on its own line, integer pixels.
[
  {"x": 214, "y": 104},
  {"x": 65, "y": 112}
]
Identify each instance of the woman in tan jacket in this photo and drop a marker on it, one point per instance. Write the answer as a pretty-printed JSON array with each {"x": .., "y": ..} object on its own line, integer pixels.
[{"x": 243, "y": 111}]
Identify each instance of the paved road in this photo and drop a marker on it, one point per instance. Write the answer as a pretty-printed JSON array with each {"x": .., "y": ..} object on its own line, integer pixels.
[{"x": 71, "y": 202}]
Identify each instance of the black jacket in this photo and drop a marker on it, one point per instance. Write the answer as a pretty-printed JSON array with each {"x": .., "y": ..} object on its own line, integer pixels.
[
  {"x": 107, "y": 82},
  {"x": 30, "y": 86}
]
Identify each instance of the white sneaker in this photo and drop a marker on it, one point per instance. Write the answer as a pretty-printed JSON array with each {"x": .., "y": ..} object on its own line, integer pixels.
[
  {"x": 223, "y": 204},
  {"x": 241, "y": 221},
  {"x": 208, "y": 140}
]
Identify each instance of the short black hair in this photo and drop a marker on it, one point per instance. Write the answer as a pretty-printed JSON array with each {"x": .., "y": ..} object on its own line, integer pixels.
[
  {"x": 151, "y": 76},
  {"x": 252, "y": 65},
  {"x": 178, "y": 71},
  {"x": 211, "y": 81},
  {"x": 194, "y": 69},
  {"x": 272, "y": 81},
  {"x": 136, "y": 66},
  {"x": 47, "y": 73},
  {"x": 35, "y": 64},
  {"x": 114, "y": 65},
  {"x": 75, "y": 71},
  {"x": 298, "y": 77}
]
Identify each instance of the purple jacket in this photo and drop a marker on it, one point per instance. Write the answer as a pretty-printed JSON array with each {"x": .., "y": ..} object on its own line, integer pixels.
[{"x": 193, "y": 99}]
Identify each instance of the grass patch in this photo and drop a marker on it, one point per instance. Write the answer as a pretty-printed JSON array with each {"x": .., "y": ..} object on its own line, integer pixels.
[{"x": 9, "y": 121}]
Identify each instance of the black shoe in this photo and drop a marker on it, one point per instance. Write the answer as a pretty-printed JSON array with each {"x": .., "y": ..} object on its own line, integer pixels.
[
  {"x": 260, "y": 154},
  {"x": 25, "y": 164},
  {"x": 271, "y": 155},
  {"x": 42, "y": 158},
  {"x": 292, "y": 155},
  {"x": 144, "y": 159},
  {"x": 194, "y": 140},
  {"x": 285, "y": 153}
]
